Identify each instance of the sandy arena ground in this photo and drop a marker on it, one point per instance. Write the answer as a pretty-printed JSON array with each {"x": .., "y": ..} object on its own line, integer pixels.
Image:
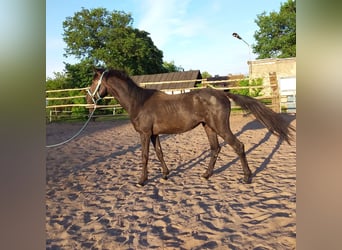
[{"x": 92, "y": 201}]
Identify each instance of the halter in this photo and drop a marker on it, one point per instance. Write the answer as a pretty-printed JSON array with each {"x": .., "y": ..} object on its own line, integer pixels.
[{"x": 96, "y": 91}]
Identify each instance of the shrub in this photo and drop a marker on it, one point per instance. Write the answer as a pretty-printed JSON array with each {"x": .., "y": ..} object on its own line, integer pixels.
[{"x": 253, "y": 92}]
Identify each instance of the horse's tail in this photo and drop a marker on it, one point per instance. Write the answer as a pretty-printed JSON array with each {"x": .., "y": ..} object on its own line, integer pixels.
[{"x": 270, "y": 119}]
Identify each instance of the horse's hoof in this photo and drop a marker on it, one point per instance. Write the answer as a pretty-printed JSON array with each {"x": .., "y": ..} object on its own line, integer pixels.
[
  {"x": 165, "y": 177},
  {"x": 140, "y": 184},
  {"x": 247, "y": 180},
  {"x": 206, "y": 176}
]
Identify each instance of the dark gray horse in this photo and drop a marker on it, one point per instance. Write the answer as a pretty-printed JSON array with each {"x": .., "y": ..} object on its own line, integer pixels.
[{"x": 153, "y": 112}]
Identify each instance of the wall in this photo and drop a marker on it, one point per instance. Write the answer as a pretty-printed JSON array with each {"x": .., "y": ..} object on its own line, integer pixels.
[{"x": 283, "y": 67}]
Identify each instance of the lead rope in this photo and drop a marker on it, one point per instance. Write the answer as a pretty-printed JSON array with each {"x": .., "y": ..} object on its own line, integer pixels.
[
  {"x": 79, "y": 132},
  {"x": 96, "y": 91}
]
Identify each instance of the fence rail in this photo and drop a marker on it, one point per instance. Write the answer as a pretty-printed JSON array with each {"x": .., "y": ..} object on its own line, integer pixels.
[
  {"x": 58, "y": 111},
  {"x": 66, "y": 90}
]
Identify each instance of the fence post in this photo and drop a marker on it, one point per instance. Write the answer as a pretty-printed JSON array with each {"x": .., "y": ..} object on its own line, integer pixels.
[
  {"x": 275, "y": 92},
  {"x": 204, "y": 83}
]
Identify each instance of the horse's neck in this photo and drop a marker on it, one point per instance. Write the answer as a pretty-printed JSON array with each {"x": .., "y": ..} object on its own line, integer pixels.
[{"x": 128, "y": 94}]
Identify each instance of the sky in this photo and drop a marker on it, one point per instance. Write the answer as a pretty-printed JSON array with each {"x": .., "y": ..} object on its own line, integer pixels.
[{"x": 194, "y": 34}]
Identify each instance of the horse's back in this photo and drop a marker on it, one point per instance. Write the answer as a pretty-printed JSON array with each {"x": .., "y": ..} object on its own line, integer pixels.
[
  {"x": 204, "y": 100},
  {"x": 213, "y": 98}
]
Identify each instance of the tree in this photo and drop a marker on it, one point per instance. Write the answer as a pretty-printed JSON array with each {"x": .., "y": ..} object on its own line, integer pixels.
[
  {"x": 205, "y": 74},
  {"x": 59, "y": 81},
  {"x": 108, "y": 39},
  {"x": 276, "y": 36},
  {"x": 80, "y": 74},
  {"x": 171, "y": 67}
]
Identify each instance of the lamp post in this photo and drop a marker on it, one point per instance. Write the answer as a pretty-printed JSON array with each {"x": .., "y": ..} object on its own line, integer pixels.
[{"x": 236, "y": 35}]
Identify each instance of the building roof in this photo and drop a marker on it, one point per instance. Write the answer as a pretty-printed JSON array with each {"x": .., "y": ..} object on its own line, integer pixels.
[
  {"x": 166, "y": 78},
  {"x": 232, "y": 80}
]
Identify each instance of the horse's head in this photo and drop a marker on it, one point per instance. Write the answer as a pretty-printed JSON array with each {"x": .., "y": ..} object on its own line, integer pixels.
[{"x": 97, "y": 89}]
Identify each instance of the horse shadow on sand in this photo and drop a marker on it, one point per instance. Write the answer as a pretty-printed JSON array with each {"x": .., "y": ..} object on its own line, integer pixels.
[
  {"x": 255, "y": 125},
  {"x": 121, "y": 151},
  {"x": 252, "y": 125}
]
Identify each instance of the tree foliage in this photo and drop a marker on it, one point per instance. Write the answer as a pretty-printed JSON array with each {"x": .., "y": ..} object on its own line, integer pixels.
[
  {"x": 57, "y": 82},
  {"x": 253, "y": 92},
  {"x": 276, "y": 37},
  {"x": 171, "y": 67},
  {"x": 80, "y": 74},
  {"x": 105, "y": 38},
  {"x": 205, "y": 74}
]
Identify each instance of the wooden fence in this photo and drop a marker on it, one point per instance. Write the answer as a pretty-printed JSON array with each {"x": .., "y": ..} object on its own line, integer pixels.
[{"x": 69, "y": 108}]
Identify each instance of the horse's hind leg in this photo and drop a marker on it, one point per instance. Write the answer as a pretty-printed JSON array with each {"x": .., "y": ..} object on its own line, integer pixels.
[
  {"x": 214, "y": 148},
  {"x": 239, "y": 148},
  {"x": 156, "y": 143}
]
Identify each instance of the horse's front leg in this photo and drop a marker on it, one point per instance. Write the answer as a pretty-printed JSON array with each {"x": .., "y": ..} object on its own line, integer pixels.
[
  {"x": 156, "y": 143},
  {"x": 145, "y": 144}
]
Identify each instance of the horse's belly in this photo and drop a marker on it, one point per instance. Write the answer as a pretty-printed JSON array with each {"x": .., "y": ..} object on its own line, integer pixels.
[{"x": 175, "y": 126}]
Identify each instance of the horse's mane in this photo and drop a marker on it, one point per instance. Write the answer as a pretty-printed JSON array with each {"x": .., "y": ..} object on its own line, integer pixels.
[
  {"x": 119, "y": 74},
  {"x": 134, "y": 89}
]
